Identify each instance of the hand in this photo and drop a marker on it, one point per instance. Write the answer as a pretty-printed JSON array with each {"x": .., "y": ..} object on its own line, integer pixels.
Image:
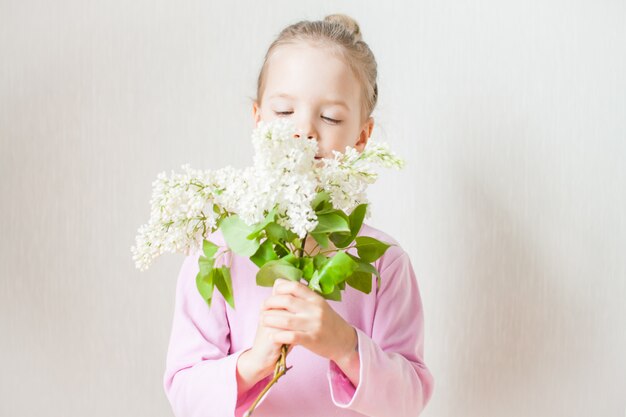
[
  {"x": 300, "y": 316},
  {"x": 265, "y": 350}
]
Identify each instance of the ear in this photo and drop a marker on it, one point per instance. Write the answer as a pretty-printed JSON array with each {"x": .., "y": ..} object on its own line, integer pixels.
[
  {"x": 256, "y": 112},
  {"x": 364, "y": 135}
]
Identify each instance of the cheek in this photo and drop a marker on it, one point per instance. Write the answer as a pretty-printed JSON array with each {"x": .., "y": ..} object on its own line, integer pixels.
[
  {"x": 338, "y": 138},
  {"x": 267, "y": 115}
]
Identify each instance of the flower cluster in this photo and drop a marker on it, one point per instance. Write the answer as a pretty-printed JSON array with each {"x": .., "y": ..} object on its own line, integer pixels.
[
  {"x": 186, "y": 208},
  {"x": 182, "y": 211},
  {"x": 347, "y": 176},
  {"x": 283, "y": 177}
]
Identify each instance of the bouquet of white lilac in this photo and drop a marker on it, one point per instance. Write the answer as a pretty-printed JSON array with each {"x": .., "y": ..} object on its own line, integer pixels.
[{"x": 266, "y": 211}]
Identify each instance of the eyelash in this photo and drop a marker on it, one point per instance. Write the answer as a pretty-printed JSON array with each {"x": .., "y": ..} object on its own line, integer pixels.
[{"x": 285, "y": 113}]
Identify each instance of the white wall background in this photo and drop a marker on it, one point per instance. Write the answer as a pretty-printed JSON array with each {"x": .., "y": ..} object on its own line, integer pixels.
[{"x": 511, "y": 115}]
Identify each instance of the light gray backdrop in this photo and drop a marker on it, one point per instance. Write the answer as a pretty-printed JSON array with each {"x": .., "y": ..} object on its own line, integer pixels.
[{"x": 511, "y": 116}]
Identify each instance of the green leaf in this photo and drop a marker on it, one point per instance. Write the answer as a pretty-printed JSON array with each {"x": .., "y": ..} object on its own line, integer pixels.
[
  {"x": 319, "y": 261},
  {"x": 367, "y": 267},
  {"x": 275, "y": 232},
  {"x": 219, "y": 221},
  {"x": 292, "y": 259},
  {"x": 370, "y": 249},
  {"x": 204, "y": 278},
  {"x": 343, "y": 239},
  {"x": 235, "y": 231},
  {"x": 362, "y": 281},
  {"x": 223, "y": 282},
  {"x": 264, "y": 254},
  {"x": 280, "y": 251},
  {"x": 209, "y": 248},
  {"x": 319, "y": 200},
  {"x": 205, "y": 264},
  {"x": 314, "y": 282},
  {"x": 336, "y": 270},
  {"x": 335, "y": 295},
  {"x": 332, "y": 222},
  {"x": 205, "y": 285},
  {"x": 307, "y": 267},
  {"x": 321, "y": 203},
  {"x": 356, "y": 218},
  {"x": 327, "y": 207},
  {"x": 258, "y": 228},
  {"x": 279, "y": 268},
  {"x": 321, "y": 239}
]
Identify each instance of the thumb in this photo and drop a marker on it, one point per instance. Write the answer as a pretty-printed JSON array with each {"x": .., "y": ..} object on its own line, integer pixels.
[{"x": 277, "y": 282}]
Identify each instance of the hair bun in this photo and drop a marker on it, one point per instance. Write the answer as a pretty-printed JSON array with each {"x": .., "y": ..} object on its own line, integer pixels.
[{"x": 347, "y": 22}]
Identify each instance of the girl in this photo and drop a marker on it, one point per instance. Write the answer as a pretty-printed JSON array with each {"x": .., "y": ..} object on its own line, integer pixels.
[{"x": 362, "y": 356}]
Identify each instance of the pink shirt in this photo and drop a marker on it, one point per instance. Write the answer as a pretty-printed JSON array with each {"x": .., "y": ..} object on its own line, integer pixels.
[{"x": 200, "y": 376}]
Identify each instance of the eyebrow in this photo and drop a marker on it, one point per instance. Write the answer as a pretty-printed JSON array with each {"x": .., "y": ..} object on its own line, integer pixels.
[{"x": 336, "y": 102}]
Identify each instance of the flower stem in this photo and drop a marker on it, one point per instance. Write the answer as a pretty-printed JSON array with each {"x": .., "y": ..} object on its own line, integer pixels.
[
  {"x": 283, "y": 246},
  {"x": 303, "y": 243},
  {"x": 336, "y": 249},
  {"x": 279, "y": 370}
]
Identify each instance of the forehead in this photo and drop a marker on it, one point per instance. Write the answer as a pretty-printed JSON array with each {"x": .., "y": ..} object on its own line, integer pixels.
[{"x": 310, "y": 72}]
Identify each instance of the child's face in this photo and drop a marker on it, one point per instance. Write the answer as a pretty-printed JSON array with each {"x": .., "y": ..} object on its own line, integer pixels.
[{"x": 302, "y": 81}]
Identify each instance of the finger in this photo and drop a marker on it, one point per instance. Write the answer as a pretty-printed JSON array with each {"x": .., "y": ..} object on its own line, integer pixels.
[
  {"x": 285, "y": 302},
  {"x": 290, "y": 337},
  {"x": 280, "y": 319},
  {"x": 296, "y": 289},
  {"x": 279, "y": 282}
]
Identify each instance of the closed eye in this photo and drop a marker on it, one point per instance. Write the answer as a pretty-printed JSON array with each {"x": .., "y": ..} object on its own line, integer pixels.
[
  {"x": 285, "y": 113},
  {"x": 331, "y": 120}
]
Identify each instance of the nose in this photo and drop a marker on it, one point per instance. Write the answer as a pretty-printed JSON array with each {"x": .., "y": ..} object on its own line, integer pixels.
[
  {"x": 306, "y": 130},
  {"x": 298, "y": 136},
  {"x": 307, "y": 135}
]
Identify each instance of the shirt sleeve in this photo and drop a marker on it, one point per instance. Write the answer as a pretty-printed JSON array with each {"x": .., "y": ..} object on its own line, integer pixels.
[
  {"x": 200, "y": 378},
  {"x": 393, "y": 378}
]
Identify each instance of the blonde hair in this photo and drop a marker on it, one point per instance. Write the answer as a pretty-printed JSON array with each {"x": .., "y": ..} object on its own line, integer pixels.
[{"x": 342, "y": 34}]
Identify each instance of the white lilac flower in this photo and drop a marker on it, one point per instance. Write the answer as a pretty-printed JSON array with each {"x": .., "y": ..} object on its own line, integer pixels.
[
  {"x": 181, "y": 213},
  {"x": 276, "y": 148},
  {"x": 284, "y": 176},
  {"x": 185, "y": 207},
  {"x": 346, "y": 176}
]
